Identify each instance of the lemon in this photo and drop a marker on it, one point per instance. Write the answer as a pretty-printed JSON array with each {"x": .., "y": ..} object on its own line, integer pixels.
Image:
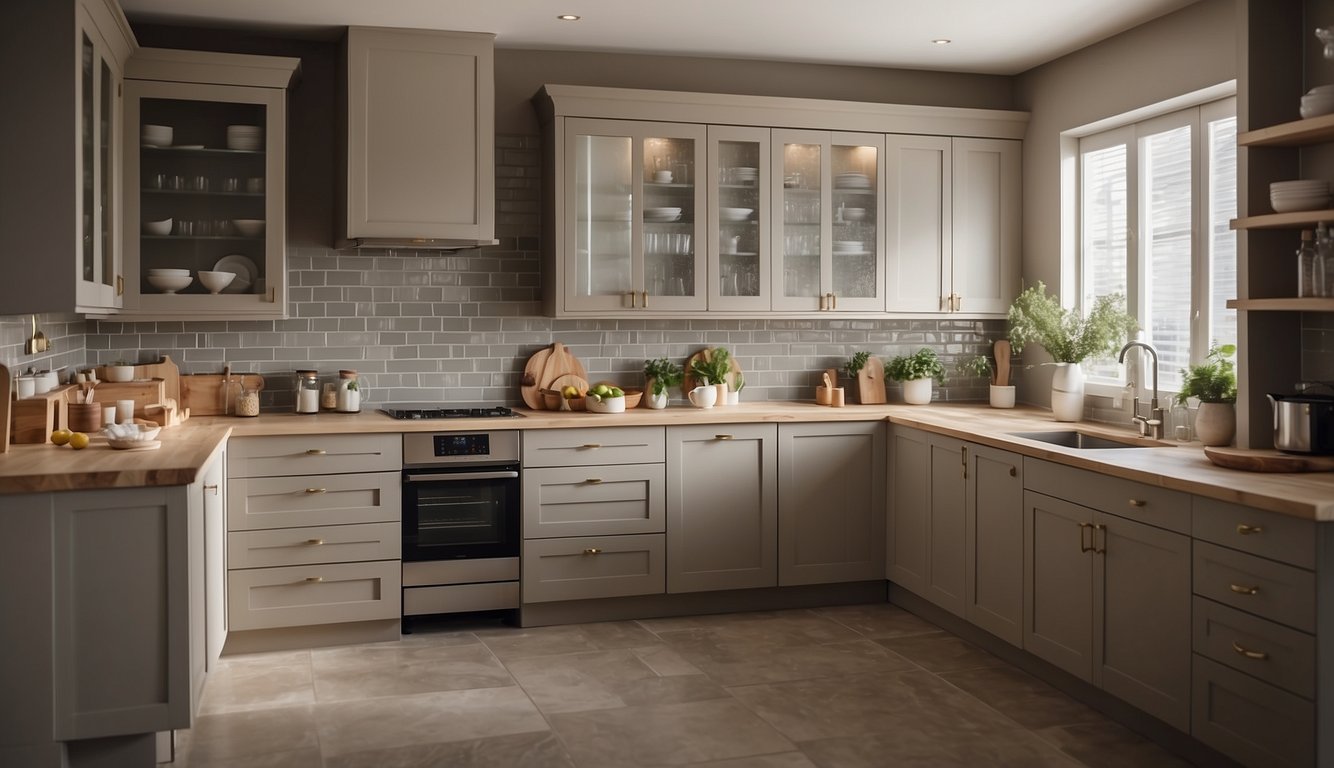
[
  {"x": 60, "y": 436},
  {"x": 78, "y": 441},
  {"x": 570, "y": 391}
]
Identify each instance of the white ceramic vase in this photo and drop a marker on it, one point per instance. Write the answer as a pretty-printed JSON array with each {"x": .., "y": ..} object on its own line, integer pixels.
[
  {"x": 1215, "y": 423},
  {"x": 917, "y": 391},
  {"x": 1002, "y": 397},
  {"x": 657, "y": 402},
  {"x": 1067, "y": 392}
]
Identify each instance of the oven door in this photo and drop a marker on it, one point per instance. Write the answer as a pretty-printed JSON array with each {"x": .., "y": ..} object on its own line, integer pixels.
[{"x": 465, "y": 513}]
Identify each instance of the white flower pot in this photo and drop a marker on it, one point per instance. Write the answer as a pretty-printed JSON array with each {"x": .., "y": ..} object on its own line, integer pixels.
[
  {"x": 1002, "y": 397},
  {"x": 1067, "y": 392},
  {"x": 657, "y": 402},
  {"x": 917, "y": 391},
  {"x": 1215, "y": 423},
  {"x": 733, "y": 397}
]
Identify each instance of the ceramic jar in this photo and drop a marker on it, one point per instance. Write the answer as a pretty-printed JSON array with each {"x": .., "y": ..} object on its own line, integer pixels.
[{"x": 1067, "y": 392}]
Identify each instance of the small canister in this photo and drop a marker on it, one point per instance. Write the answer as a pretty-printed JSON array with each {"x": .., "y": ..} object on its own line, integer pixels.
[
  {"x": 349, "y": 392},
  {"x": 329, "y": 396},
  {"x": 247, "y": 402},
  {"x": 307, "y": 391}
]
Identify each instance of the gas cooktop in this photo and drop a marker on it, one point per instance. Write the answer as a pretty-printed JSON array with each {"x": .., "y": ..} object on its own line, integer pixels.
[{"x": 447, "y": 411}]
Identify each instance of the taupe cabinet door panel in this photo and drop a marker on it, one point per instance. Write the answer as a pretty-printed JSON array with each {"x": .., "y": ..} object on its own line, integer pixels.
[
  {"x": 1058, "y": 583},
  {"x": 722, "y": 508},
  {"x": 909, "y": 457},
  {"x": 994, "y": 543},
  {"x": 592, "y": 501},
  {"x": 831, "y": 508},
  {"x": 945, "y": 533}
]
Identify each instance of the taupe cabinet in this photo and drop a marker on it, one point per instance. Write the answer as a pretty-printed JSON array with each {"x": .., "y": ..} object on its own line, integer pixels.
[{"x": 722, "y": 507}]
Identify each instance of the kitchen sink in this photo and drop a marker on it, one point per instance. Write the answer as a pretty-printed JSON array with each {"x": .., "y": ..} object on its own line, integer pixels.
[{"x": 1069, "y": 438}]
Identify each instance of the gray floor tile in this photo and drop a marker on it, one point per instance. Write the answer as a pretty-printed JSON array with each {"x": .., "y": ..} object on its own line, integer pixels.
[
  {"x": 390, "y": 669},
  {"x": 878, "y": 620},
  {"x": 1107, "y": 744},
  {"x": 940, "y": 652},
  {"x": 604, "y": 680},
  {"x": 1022, "y": 697},
  {"x": 522, "y": 750}
]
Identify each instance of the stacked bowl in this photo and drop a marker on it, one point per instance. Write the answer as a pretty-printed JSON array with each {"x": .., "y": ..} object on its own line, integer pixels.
[
  {"x": 1319, "y": 101},
  {"x": 169, "y": 280},
  {"x": 735, "y": 214},
  {"x": 745, "y": 175},
  {"x": 155, "y": 135},
  {"x": 849, "y": 246},
  {"x": 1302, "y": 195},
  {"x": 249, "y": 138}
]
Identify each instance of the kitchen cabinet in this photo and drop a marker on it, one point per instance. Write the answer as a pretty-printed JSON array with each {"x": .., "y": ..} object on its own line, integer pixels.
[
  {"x": 61, "y": 200},
  {"x": 212, "y": 197},
  {"x": 952, "y": 217},
  {"x": 820, "y": 542},
  {"x": 994, "y": 542},
  {"x": 722, "y": 507},
  {"x": 739, "y": 210},
  {"x": 419, "y": 130},
  {"x": 827, "y": 245}
]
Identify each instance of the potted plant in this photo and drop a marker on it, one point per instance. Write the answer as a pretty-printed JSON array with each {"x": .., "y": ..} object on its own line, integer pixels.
[
  {"x": 1214, "y": 384},
  {"x": 713, "y": 370},
  {"x": 981, "y": 367},
  {"x": 917, "y": 371},
  {"x": 1070, "y": 338},
  {"x": 659, "y": 376}
]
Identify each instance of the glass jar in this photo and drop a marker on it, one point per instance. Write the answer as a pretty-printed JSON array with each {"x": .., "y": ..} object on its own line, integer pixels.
[
  {"x": 247, "y": 402},
  {"x": 329, "y": 396},
  {"x": 307, "y": 392},
  {"x": 349, "y": 392}
]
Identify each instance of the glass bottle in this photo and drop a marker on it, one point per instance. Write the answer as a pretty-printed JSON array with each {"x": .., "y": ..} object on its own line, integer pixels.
[
  {"x": 1308, "y": 266},
  {"x": 307, "y": 392},
  {"x": 1324, "y": 247},
  {"x": 349, "y": 392}
]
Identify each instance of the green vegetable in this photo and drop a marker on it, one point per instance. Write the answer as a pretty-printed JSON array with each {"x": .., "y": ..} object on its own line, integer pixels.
[
  {"x": 856, "y": 364},
  {"x": 1213, "y": 381},
  {"x": 715, "y": 369},
  {"x": 1037, "y": 318},
  {"x": 922, "y": 364},
  {"x": 663, "y": 373},
  {"x": 978, "y": 367}
]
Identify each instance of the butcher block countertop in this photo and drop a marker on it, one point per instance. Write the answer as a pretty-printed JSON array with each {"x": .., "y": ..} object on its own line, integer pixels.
[{"x": 1182, "y": 467}]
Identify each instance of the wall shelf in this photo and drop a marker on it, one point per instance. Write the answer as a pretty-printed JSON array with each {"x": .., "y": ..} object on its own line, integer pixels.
[
  {"x": 1282, "y": 305},
  {"x": 1294, "y": 134},
  {"x": 1294, "y": 220}
]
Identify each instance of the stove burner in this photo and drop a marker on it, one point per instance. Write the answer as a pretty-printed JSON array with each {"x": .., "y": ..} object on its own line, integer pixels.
[{"x": 440, "y": 411}]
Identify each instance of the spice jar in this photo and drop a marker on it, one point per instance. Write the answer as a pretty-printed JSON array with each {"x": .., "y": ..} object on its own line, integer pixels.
[
  {"x": 349, "y": 392},
  {"x": 247, "y": 402},
  {"x": 307, "y": 392},
  {"x": 329, "y": 396}
]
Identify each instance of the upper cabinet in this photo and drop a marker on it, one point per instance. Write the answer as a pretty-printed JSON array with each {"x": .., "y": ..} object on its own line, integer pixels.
[
  {"x": 662, "y": 203},
  {"x": 420, "y": 139},
  {"x": 59, "y": 204},
  {"x": 205, "y": 184}
]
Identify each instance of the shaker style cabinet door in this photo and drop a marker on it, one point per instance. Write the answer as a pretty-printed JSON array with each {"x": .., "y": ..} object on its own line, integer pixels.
[
  {"x": 909, "y": 513},
  {"x": 738, "y": 242},
  {"x": 1058, "y": 583},
  {"x": 918, "y": 190},
  {"x": 994, "y": 543}
]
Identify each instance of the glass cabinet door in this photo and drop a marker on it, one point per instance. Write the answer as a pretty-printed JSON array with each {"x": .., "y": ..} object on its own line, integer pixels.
[
  {"x": 856, "y": 267},
  {"x": 801, "y": 194},
  {"x": 99, "y": 121},
  {"x": 738, "y": 218}
]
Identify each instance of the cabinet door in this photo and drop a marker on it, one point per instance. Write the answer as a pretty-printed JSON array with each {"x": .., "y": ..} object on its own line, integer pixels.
[
  {"x": 421, "y": 134},
  {"x": 918, "y": 194},
  {"x": 946, "y": 533},
  {"x": 722, "y": 507},
  {"x": 906, "y": 547},
  {"x": 1058, "y": 583},
  {"x": 831, "y": 502},
  {"x": 214, "y": 489},
  {"x": 99, "y": 159},
  {"x": 1141, "y": 590},
  {"x": 738, "y": 242},
  {"x": 994, "y": 543},
  {"x": 633, "y": 218},
  {"x": 986, "y": 193}
]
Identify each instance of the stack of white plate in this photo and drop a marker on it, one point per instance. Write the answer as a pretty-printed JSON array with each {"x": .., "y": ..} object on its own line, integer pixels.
[
  {"x": 851, "y": 181},
  {"x": 849, "y": 246},
  {"x": 169, "y": 280},
  {"x": 735, "y": 214},
  {"x": 155, "y": 135},
  {"x": 245, "y": 137},
  {"x": 745, "y": 174},
  {"x": 662, "y": 214},
  {"x": 1319, "y": 101},
  {"x": 1303, "y": 195},
  {"x": 245, "y": 270},
  {"x": 854, "y": 214}
]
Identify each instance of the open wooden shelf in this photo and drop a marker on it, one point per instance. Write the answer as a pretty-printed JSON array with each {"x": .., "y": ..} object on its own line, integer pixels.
[
  {"x": 1294, "y": 134},
  {"x": 1283, "y": 305},
  {"x": 1294, "y": 220}
]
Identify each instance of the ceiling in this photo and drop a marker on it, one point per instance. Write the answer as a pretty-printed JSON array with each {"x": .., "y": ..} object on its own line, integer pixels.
[{"x": 1002, "y": 37}]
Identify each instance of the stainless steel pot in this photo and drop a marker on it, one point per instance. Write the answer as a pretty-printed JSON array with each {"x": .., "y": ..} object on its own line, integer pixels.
[{"x": 1303, "y": 423}]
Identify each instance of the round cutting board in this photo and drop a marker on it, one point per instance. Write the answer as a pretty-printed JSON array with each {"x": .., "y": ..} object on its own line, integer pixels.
[
  {"x": 688, "y": 382},
  {"x": 529, "y": 384},
  {"x": 1256, "y": 460}
]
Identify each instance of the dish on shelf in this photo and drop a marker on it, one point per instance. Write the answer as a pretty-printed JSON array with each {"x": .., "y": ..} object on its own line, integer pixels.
[
  {"x": 215, "y": 282},
  {"x": 241, "y": 266},
  {"x": 187, "y": 146},
  {"x": 165, "y": 272},
  {"x": 155, "y": 135},
  {"x": 844, "y": 246},
  {"x": 249, "y": 227},
  {"x": 851, "y": 181},
  {"x": 662, "y": 214},
  {"x": 854, "y": 214},
  {"x": 245, "y": 137},
  {"x": 1319, "y": 101},
  {"x": 170, "y": 283},
  {"x": 1298, "y": 195},
  {"x": 735, "y": 214},
  {"x": 161, "y": 227}
]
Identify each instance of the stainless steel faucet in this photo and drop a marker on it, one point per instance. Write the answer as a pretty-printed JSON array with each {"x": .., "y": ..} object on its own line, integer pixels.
[{"x": 1152, "y": 426}]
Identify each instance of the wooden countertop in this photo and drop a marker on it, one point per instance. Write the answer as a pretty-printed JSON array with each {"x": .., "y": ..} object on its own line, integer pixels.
[{"x": 1180, "y": 467}]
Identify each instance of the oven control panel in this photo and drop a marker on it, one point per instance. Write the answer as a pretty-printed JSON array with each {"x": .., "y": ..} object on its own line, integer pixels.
[
  {"x": 462, "y": 445},
  {"x": 425, "y": 449}
]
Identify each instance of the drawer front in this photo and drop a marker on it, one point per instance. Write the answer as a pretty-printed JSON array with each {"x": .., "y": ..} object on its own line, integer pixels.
[
  {"x": 305, "y": 595},
  {"x": 1267, "y": 534},
  {"x": 1271, "y": 652},
  {"x": 313, "y": 454},
  {"x": 1263, "y": 587},
  {"x": 320, "y": 544},
  {"x": 599, "y": 445},
  {"x": 1124, "y": 498},
  {"x": 592, "y": 567},
  {"x": 593, "y": 501},
  {"x": 255, "y": 503},
  {"x": 1251, "y": 722}
]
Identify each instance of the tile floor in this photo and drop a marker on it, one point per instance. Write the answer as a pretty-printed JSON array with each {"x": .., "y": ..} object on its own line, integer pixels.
[{"x": 845, "y": 687}]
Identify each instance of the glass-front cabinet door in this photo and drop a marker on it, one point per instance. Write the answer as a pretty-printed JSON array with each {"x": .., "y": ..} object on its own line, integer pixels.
[
  {"x": 99, "y": 160},
  {"x": 205, "y": 199},
  {"x": 633, "y": 200},
  {"x": 738, "y": 238},
  {"x": 827, "y": 242}
]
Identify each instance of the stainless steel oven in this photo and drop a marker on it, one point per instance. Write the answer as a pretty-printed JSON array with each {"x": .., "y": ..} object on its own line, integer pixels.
[{"x": 460, "y": 520}]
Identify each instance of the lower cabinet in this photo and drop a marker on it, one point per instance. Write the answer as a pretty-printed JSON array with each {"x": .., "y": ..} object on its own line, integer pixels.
[
  {"x": 722, "y": 507},
  {"x": 589, "y": 567},
  {"x": 993, "y": 557}
]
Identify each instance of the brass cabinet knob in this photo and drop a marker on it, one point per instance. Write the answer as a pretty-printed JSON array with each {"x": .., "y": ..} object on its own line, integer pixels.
[
  {"x": 593, "y": 480},
  {"x": 314, "y": 542},
  {"x": 592, "y": 551},
  {"x": 722, "y": 437},
  {"x": 316, "y": 452},
  {"x": 213, "y": 489},
  {"x": 591, "y": 446},
  {"x": 316, "y": 490},
  {"x": 1244, "y": 590},
  {"x": 1138, "y": 503},
  {"x": 1247, "y": 530},
  {"x": 314, "y": 579},
  {"x": 1248, "y": 653}
]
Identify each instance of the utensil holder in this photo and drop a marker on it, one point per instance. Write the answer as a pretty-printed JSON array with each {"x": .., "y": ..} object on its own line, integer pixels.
[{"x": 85, "y": 417}]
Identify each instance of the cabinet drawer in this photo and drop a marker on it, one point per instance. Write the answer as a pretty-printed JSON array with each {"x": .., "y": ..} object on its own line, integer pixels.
[
  {"x": 593, "y": 501},
  {"x": 1256, "y": 585},
  {"x": 303, "y": 595},
  {"x": 1113, "y": 495},
  {"x": 313, "y": 454},
  {"x": 1234, "y": 639},
  {"x": 255, "y": 503},
  {"x": 1249, "y": 721},
  {"x": 320, "y": 544},
  {"x": 1268, "y": 534},
  {"x": 599, "y": 445},
  {"x": 593, "y": 566}
]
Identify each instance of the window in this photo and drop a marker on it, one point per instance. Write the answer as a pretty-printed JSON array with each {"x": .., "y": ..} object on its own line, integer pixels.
[{"x": 1155, "y": 198}]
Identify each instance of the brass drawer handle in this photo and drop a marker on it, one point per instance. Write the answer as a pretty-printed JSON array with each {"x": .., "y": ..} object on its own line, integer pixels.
[
  {"x": 722, "y": 437},
  {"x": 1082, "y": 546},
  {"x": 1247, "y": 530},
  {"x": 1138, "y": 502},
  {"x": 314, "y": 579},
  {"x": 593, "y": 480},
  {"x": 213, "y": 489},
  {"x": 592, "y": 551},
  {"x": 1239, "y": 589},
  {"x": 1099, "y": 527},
  {"x": 1240, "y": 649},
  {"x": 1014, "y": 472},
  {"x": 316, "y": 452},
  {"x": 592, "y": 446},
  {"x": 314, "y": 542},
  {"x": 316, "y": 490}
]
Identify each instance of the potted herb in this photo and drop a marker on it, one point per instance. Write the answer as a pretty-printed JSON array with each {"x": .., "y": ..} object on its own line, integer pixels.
[
  {"x": 1070, "y": 338},
  {"x": 659, "y": 376},
  {"x": 917, "y": 371},
  {"x": 1001, "y": 395},
  {"x": 713, "y": 370},
  {"x": 1214, "y": 384}
]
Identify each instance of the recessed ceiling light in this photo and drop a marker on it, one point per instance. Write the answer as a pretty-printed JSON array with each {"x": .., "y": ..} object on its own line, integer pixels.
[
  {"x": 941, "y": 41},
  {"x": 568, "y": 17}
]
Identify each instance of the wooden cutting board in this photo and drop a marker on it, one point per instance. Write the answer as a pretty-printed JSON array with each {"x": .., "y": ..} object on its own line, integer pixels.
[
  {"x": 561, "y": 362},
  {"x": 166, "y": 370},
  {"x": 1256, "y": 460},
  {"x": 143, "y": 393},
  {"x": 529, "y": 385},
  {"x": 5, "y": 399},
  {"x": 201, "y": 393},
  {"x": 688, "y": 383},
  {"x": 871, "y": 382}
]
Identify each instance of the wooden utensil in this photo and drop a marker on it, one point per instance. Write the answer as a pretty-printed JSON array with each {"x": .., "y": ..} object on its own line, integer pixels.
[
  {"x": 1001, "y": 351},
  {"x": 5, "y": 399},
  {"x": 1256, "y": 460},
  {"x": 871, "y": 382}
]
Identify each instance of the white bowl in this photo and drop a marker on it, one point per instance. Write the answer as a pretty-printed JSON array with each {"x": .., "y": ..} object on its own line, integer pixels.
[
  {"x": 170, "y": 283},
  {"x": 249, "y": 227},
  {"x": 156, "y": 135},
  {"x": 854, "y": 214},
  {"x": 1298, "y": 184},
  {"x": 735, "y": 214},
  {"x": 166, "y": 271},
  {"x": 849, "y": 245},
  {"x": 214, "y": 282},
  {"x": 162, "y": 227},
  {"x": 1300, "y": 204},
  {"x": 1314, "y": 111},
  {"x": 605, "y": 404}
]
